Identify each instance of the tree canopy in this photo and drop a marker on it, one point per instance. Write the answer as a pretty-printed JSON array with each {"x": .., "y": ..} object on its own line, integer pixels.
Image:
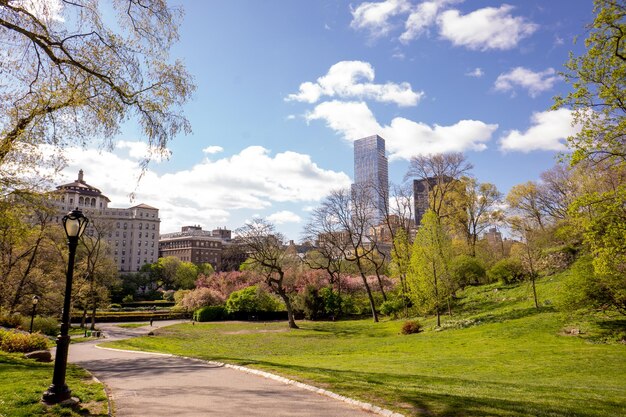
[{"x": 70, "y": 74}]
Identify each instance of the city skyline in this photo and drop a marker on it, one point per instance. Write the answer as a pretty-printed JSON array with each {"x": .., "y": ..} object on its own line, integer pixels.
[{"x": 284, "y": 89}]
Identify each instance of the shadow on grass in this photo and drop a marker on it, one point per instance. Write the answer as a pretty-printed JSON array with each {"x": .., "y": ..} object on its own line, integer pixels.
[
  {"x": 441, "y": 396},
  {"x": 609, "y": 331},
  {"x": 514, "y": 314}
]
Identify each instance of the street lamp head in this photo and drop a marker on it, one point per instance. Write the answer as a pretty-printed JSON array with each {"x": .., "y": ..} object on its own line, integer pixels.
[
  {"x": 74, "y": 223},
  {"x": 35, "y": 299}
]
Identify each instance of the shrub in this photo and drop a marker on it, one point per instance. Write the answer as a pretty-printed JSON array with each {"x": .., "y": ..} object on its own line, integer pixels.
[
  {"x": 200, "y": 297},
  {"x": 128, "y": 298},
  {"x": 45, "y": 325},
  {"x": 467, "y": 270},
  {"x": 210, "y": 313},
  {"x": 507, "y": 271},
  {"x": 411, "y": 326},
  {"x": 11, "y": 341},
  {"x": 392, "y": 307},
  {"x": 10, "y": 320},
  {"x": 313, "y": 304},
  {"x": 250, "y": 300}
]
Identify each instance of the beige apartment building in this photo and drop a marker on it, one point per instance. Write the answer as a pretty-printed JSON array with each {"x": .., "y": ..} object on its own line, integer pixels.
[{"x": 131, "y": 234}]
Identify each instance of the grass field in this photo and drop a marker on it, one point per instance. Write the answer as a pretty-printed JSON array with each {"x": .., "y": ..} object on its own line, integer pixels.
[
  {"x": 132, "y": 325},
  {"x": 23, "y": 381},
  {"x": 498, "y": 357}
]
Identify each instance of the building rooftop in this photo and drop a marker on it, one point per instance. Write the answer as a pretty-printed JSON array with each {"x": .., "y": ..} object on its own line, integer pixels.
[{"x": 80, "y": 186}]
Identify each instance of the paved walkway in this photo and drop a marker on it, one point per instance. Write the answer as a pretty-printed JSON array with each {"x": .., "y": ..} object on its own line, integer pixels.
[{"x": 150, "y": 385}]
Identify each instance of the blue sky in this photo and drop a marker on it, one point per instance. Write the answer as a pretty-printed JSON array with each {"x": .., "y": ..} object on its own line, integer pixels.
[{"x": 284, "y": 87}]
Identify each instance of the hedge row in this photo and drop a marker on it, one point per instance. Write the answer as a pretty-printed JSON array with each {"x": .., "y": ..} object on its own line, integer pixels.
[
  {"x": 158, "y": 303},
  {"x": 219, "y": 313},
  {"x": 133, "y": 316}
]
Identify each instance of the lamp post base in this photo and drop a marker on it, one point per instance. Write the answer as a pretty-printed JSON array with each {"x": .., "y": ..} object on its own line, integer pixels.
[{"x": 55, "y": 394}]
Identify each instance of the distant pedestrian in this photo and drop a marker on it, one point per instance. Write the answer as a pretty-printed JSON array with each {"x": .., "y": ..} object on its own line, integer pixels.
[{"x": 151, "y": 319}]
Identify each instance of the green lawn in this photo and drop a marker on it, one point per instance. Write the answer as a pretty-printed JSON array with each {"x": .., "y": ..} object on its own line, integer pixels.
[
  {"x": 23, "y": 381},
  {"x": 498, "y": 357},
  {"x": 132, "y": 325}
]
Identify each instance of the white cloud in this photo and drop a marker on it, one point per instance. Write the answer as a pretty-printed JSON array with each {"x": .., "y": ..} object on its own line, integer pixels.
[
  {"x": 353, "y": 79},
  {"x": 212, "y": 149},
  {"x": 141, "y": 150},
  {"x": 548, "y": 132},
  {"x": 375, "y": 16},
  {"x": 209, "y": 193},
  {"x": 483, "y": 29},
  {"x": 284, "y": 216},
  {"x": 534, "y": 82},
  {"x": 404, "y": 138},
  {"x": 421, "y": 18},
  {"x": 476, "y": 73}
]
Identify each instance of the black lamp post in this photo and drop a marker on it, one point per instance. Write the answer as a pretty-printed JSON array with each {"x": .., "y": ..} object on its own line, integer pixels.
[
  {"x": 74, "y": 224},
  {"x": 32, "y": 316}
]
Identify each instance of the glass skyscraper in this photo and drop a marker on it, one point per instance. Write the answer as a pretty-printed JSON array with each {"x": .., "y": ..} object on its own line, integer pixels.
[{"x": 371, "y": 170}]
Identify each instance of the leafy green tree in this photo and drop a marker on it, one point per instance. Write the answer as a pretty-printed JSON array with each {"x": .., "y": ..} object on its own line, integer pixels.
[
  {"x": 186, "y": 275},
  {"x": 251, "y": 300},
  {"x": 429, "y": 276},
  {"x": 471, "y": 204},
  {"x": 507, "y": 271},
  {"x": 598, "y": 79},
  {"x": 401, "y": 262},
  {"x": 467, "y": 270}
]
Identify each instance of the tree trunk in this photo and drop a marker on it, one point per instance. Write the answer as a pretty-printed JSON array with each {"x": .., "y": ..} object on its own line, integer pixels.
[
  {"x": 371, "y": 298},
  {"x": 83, "y": 320},
  {"x": 532, "y": 272},
  {"x": 380, "y": 285},
  {"x": 287, "y": 301},
  {"x": 534, "y": 291},
  {"x": 93, "y": 317}
]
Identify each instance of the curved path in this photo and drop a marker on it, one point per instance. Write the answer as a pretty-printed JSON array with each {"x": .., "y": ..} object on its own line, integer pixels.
[{"x": 153, "y": 385}]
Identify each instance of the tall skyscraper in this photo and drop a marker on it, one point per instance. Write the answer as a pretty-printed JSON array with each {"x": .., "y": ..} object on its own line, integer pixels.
[{"x": 371, "y": 169}]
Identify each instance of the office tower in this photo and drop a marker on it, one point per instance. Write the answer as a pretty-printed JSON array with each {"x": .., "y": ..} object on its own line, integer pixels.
[{"x": 371, "y": 171}]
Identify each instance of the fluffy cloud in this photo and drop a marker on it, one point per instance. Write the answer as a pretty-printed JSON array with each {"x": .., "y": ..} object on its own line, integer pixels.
[
  {"x": 210, "y": 193},
  {"x": 421, "y": 18},
  {"x": 375, "y": 16},
  {"x": 548, "y": 132},
  {"x": 476, "y": 73},
  {"x": 404, "y": 138},
  {"x": 534, "y": 82},
  {"x": 141, "y": 150},
  {"x": 209, "y": 150},
  {"x": 483, "y": 29},
  {"x": 284, "y": 216},
  {"x": 353, "y": 79}
]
